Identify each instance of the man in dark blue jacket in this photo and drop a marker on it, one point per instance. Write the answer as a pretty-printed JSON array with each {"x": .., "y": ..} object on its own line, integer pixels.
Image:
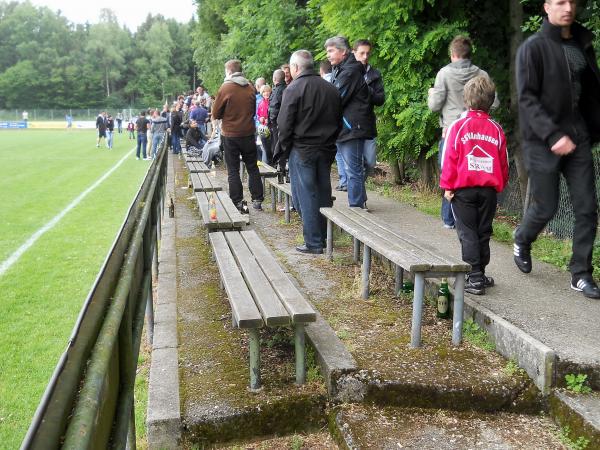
[
  {"x": 558, "y": 84},
  {"x": 309, "y": 122},
  {"x": 358, "y": 119}
]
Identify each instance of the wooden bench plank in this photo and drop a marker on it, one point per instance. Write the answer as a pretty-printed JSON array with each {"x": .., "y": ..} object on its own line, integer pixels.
[
  {"x": 237, "y": 218},
  {"x": 266, "y": 299},
  {"x": 202, "y": 182},
  {"x": 285, "y": 187},
  {"x": 294, "y": 302},
  {"x": 243, "y": 308},
  {"x": 400, "y": 242},
  {"x": 455, "y": 263},
  {"x": 409, "y": 261},
  {"x": 266, "y": 170},
  {"x": 197, "y": 167},
  {"x": 223, "y": 219}
]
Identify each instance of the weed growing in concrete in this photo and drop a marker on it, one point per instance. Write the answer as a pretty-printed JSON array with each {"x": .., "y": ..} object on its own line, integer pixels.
[
  {"x": 580, "y": 443},
  {"x": 577, "y": 383},
  {"x": 296, "y": 443},
  {"x": 512, "y": 368},
  {"x": 343, "y": 334},
  {"x": 477, "y": 336},
  {"x": 313, "y": 373}
]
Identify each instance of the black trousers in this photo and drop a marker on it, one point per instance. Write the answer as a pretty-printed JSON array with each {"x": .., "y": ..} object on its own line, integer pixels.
[
  {"x": 474, "y": 209},
  {"x": 578, "y": 170},
  {"x": 233, "y": 147}
]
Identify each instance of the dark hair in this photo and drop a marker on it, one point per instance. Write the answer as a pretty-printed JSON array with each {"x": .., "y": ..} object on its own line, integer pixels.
[
  {"x": 461, "y": 47},
  {"x": 362, "y": 42},
  {"x": 325, "y": 65}
]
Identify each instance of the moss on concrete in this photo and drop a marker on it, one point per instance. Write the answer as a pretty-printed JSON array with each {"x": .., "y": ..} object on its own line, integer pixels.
[{"x": 577, "y": 426}]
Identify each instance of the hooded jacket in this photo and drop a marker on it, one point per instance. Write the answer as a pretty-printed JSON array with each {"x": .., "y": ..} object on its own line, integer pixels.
[
  {"x": 358, "y": 118},
  {"x": 235, "y": 106},
  {"x": 546, "y": 111},
  {"x": 446, "y": 97},
  {"x": 474, "y": 154}
]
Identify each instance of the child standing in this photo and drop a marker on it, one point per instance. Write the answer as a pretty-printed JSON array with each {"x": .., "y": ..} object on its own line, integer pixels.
[
  {"x": 262, "y": 115},
  {"x": 474, "y": 170}
]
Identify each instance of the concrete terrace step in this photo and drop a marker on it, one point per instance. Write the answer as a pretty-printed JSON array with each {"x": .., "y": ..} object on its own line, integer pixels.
[{"x": 367, "y": 427}]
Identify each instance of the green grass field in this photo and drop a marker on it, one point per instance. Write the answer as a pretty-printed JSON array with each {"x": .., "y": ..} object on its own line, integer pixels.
[{"x": 41, "y": 172}]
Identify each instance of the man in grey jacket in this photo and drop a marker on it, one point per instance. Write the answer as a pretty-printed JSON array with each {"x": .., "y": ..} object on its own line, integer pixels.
[{"x": 446, "y": 97}]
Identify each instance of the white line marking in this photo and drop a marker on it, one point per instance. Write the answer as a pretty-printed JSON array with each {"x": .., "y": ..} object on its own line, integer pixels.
[{"x": 35, "y": 236}]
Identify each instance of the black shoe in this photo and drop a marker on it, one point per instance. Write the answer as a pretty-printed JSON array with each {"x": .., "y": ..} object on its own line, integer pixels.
[
  {"x": 257, "y": 204},
  {"x": 488, "y": 281},
  {"x": 522, "y": 257},
  {"x": 587, "y": 286},
  {"x": 341, "y": 188},
  {"x": 475, "y": 284},
  {"x": 243, "y": 207},
  {"x": 313, "y": 251}
]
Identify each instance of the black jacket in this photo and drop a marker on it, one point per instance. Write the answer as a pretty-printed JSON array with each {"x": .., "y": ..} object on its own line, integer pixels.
[
  {"x": 275, "y": 102},
  {"x": 358, "y": 116},
  {"x": 375, "y": 83},
  {"x": 311, "y": 115},
  {"x": 193, "y": 137},
  {"x": 544, "y": 89}
]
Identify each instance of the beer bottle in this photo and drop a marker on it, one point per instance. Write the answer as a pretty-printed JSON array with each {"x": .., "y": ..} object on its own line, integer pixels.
[
  {"x": 443, "y": 300},
  {"x": 212, "y": 208}
]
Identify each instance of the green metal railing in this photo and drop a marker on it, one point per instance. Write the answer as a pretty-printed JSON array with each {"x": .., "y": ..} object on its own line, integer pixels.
[{"x": 88, "y": 403}]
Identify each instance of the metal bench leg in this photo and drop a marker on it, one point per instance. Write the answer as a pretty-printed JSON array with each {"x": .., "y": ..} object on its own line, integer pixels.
[
  {"x": 459, "y": 301},
  {"x": 415, "y": 334},
  {"x": 366, "y": 270},
  {"x": 287, "y": 208},
  {"x": 273, "y": 199},
  {"x": 356, "y": 250},
  {"x": 399, "y": 280},
  {"x": 329, "y": 239},
  {"x": 300, "y": 353},
  {"x": 254, "y": 358}
]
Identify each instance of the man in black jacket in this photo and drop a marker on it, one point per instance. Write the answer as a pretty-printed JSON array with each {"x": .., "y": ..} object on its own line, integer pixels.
[
  {"x": 558, "y": 84},
  {"x": 358, "y": 118},
  {"x": 309, "y": 123},
  {"x": 274, "y": 107},
  {"x": 362, "y": 52}
]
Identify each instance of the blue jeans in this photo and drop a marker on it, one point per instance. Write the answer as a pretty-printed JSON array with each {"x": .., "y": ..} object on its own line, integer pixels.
[
  {"x": 339, "y": 161},
  {"x": 352, "y": 153},
  {"x": 157, "y": 139},
  {"x": 142, "y": 141},
  {"x": 310, "y": 176},
  {"x": 370, "y": 156},
  {"x": 109, "y": 138},
  {"x": 175, "y": 142},
  {"x": 447, "y": 216}
]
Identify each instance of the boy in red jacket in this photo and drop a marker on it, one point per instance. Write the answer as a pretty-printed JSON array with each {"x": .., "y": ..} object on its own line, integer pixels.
[{"x": 474, "y": 170}]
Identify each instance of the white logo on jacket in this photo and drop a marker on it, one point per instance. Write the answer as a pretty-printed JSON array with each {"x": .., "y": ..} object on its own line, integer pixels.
[{"x": 480, "y": 163}]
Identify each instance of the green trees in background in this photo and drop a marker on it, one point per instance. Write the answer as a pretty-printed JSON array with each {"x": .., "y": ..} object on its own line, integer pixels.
[
  {"x": 48, "y": 62},
  {"x": 411, "y": 40}
]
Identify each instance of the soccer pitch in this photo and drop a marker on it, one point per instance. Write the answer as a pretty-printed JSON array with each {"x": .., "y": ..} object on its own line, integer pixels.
[{"x": 63, "y": 201}]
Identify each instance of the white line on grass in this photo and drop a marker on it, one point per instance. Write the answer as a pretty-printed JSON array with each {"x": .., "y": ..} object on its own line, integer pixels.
[{"x": 35, "y": 236}]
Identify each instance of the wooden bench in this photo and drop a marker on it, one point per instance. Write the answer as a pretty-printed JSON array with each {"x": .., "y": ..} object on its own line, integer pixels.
[
  {"x": 203, "y": 182},
  {"x": 406, "y": 253},
  {"x": 228, "y": 216},
  {"x": 197, "y": 167},
  {"x": 277, "y": 190},
  {"x": 260, "y": 293},
  {"x": 265, "y": 171}
]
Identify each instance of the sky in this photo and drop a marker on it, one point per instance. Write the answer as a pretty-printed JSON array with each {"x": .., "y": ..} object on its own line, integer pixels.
[{"x": 129, "y": 13}]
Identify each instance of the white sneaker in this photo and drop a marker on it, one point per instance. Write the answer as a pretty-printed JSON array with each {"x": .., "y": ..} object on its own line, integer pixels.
[{"x": 137, "y": 157}]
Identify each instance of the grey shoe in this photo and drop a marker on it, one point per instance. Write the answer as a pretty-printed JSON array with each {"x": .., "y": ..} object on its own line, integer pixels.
[{"x": 257, "y": 204}]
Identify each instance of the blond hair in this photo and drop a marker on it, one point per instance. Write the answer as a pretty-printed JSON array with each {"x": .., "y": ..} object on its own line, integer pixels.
[
  {"x": 265, "y": 87},
  {"x": 480, "y": 93}
]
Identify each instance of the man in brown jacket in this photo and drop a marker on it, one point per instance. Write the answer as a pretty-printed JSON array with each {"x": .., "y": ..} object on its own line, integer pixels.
[{"x": 235, "y": 106}]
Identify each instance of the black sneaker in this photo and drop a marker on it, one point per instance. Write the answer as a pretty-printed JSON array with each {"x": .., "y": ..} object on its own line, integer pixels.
[
  {"x": 475, "y": 285},
  {"x": 488, "y": 281},
  {"x": 522, "y": 257},
  {"x": 587, "y": 286}
]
